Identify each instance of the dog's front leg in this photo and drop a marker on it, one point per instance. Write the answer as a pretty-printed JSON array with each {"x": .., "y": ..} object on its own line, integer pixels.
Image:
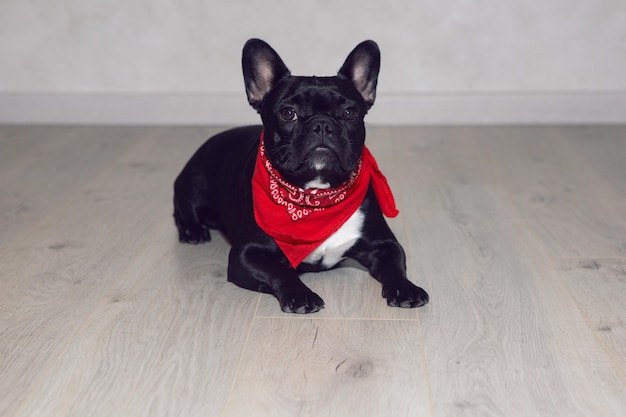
[
  {"x": 386, "y": 262},
  {"x": 263, "y": 267}
]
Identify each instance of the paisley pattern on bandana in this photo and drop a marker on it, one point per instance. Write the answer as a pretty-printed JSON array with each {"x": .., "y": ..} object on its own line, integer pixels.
[{"x": 300, "y": 202}]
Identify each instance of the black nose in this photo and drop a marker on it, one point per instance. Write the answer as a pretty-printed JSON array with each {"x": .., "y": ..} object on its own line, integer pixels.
[{"x": 323, "y": 127}]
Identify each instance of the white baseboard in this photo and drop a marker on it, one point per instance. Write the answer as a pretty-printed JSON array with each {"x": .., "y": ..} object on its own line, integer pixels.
[{"x": 232, "y": 109}]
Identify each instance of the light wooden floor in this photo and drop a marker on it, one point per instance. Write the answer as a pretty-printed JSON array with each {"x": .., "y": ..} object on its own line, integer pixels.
[{"x": 519, "y": 235}]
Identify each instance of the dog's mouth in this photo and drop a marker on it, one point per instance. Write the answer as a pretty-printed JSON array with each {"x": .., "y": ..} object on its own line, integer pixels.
[
  {"x": 321, "y": 167},
  {"x": 322, "y": 158}
]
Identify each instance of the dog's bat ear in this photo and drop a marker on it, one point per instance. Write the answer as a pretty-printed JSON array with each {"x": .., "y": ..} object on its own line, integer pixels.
[
  {"x": 262, "y": 70},
  {"x": 361, "y": 68}
]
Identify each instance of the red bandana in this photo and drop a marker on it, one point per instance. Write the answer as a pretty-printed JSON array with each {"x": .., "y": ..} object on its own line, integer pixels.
[{"x": 300, "y": 220}]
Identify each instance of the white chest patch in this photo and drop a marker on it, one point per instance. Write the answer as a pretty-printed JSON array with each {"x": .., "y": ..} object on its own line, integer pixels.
[
  {"x": 316, "y": 183},
  {"x": 331, "y": 251}
]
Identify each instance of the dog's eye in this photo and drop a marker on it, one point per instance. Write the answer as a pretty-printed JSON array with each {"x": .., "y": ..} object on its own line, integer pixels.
[
  {"x": 350, "y": 114},
  {"x": 288, "y": 114}
]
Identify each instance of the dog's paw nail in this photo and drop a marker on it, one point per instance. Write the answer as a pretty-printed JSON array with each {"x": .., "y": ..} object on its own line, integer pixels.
[
  {"x": 194, "y": 236},
  {"x": 302, "y": 303},
  {"x": 405, "y": 295}
]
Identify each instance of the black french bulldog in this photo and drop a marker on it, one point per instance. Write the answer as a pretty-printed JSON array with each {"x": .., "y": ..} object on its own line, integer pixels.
[{"x": 300, "y": 193}]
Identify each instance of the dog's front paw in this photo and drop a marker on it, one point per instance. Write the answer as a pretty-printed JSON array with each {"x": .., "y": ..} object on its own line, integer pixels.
[
  {"x": 301, "y": 302},
  {"x": 193, "y": 234},
  {"x": 404, "y": 294}
]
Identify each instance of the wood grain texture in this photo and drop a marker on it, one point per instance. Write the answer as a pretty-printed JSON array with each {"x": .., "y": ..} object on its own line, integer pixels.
[
  {"x": 604, "y": 148},
  {"x": 572, "y": 209},
  {"x": 41, "y": 168},
  {"x": 314, "y": 367},
  {"x": 599, "y": 288},
  {"x": 165, "y": 342},
  {"x": 501, "y": 335},
  {"x": 517, "y": 234},
  {"x": 64, "y": 267},
  {"x": 54, "y": 275}
]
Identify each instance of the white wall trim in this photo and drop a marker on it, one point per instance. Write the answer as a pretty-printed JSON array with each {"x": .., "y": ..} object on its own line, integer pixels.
[{"x": 232, "y": 109}]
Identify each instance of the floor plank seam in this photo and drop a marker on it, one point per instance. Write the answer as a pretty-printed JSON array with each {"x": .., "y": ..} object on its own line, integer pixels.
[
  {"x": 586, "y": 258},
  {"x": 427, "y": 382},
  {"x": 312, "y": 318},
  {"x": 244, "y": 349}
]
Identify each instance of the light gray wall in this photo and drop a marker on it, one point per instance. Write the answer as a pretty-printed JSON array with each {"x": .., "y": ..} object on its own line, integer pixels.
[{"x": 458, "y": 47}]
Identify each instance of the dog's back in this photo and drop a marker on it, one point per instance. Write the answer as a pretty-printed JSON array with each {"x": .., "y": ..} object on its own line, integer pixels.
[{"x": 212, "y": 183}]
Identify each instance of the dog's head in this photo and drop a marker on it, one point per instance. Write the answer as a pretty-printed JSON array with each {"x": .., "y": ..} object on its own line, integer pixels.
[{"x": 314, "y": 130}]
